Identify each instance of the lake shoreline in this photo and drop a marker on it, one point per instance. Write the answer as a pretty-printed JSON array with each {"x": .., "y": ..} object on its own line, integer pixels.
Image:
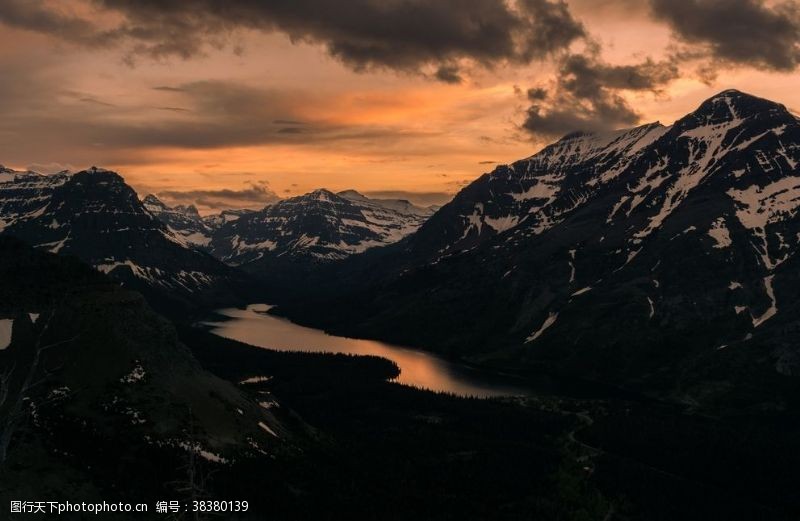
[{"x": 255, "y": 325}]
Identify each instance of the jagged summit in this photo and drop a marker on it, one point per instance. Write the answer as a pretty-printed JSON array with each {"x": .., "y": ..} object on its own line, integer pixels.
[
  {"x": 322, "y": 194},
  {"x": 189, "y": 209},
  {"x": 738, "y": 97},
  {"x": 153, "y": 203},
  {"x": 184, "y": 221}
]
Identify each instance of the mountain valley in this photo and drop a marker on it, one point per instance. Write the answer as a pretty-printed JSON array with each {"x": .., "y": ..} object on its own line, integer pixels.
[{"x": 638, "y": 284}]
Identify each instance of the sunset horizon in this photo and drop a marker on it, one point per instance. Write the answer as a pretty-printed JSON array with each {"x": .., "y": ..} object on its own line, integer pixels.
[
  {"x": 230, "y": 109},
  {"x": 258, "y": 192}
]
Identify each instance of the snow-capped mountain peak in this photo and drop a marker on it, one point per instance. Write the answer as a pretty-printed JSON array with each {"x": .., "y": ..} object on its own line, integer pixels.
[
  {"x": 319, "y": 226},
  {"x": 183, "y": 221},
  {"x": 320, "y": 194}
]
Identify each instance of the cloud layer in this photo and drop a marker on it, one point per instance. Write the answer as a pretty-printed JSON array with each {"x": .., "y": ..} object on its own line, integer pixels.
[
  {"x": 585, "y": 95},
  {"x": 412, "y": 35},
  {"x": 255, "y": 196},
  {"x": 168, "y": 83},
  {"x": 742, "y": 32}
]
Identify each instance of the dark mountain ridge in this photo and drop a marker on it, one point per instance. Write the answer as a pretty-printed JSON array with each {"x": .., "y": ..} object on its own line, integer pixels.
[
  {"x": 93, "y": 381},
  {"x": 95, "y": 216}
]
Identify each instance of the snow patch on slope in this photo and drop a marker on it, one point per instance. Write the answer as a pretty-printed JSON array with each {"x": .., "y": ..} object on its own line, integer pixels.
[
  {"x": 719, "y": 232},
  {"x": 549, "y": 321}
]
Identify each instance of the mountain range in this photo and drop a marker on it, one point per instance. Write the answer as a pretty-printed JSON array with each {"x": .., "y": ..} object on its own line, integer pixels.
[
  {"x": 659, "y": 257},
  {"x": 186, "y": 222},
  {"x": 630, "y": 278},
  {"x": 96, "y": 216},
  {"x": 292, "y": 238},
  {"x": 175, "y": 255}
]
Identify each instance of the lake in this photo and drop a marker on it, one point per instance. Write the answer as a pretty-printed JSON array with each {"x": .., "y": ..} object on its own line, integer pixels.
[{"x": 255, "y": 326}]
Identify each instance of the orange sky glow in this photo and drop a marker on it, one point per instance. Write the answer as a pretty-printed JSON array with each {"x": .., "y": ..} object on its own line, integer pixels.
[{"x": 263, "y": 110}]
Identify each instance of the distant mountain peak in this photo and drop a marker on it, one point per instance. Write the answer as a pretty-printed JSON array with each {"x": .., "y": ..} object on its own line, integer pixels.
[
  {"x": 352, "y": 194},
  {"x": 96, "y": 175},
  {"x": 189, "y": 209},
  {"x": 151, "y": 199},
  {"x": 99, "y": 170},
  {"x": 320, "y": 226},
  {"x": 7, "y": 170},
  {"x": 321, "y": 194}
]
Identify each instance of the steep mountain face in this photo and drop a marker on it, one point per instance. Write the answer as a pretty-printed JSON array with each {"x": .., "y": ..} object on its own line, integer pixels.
[
  {"x": 318, "y": 227},
  {"x": 659, "y": 257},
  {"x": 535, "y": 193},
  {"x": 95, "y": 216},
  {"x": 23, "y": 194},
  {"x": 184, "y": 221},
  {"x": 216, "y": 221}
]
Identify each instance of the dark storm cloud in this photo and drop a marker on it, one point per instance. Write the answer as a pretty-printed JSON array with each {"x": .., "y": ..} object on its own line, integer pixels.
[
  {"x": 585, "y": 95},
  {"x": 34, "y": 15},
  {"x": 254, "y": 196},
  {"x": 449, "y": 74},
  {"x": 746, "y": 32},
  {"x": 537, "y": 94},
  {"x": 550, "y": 28},
  {"x": 586, "y": 75},
  {"x": 408, "y": 35}
]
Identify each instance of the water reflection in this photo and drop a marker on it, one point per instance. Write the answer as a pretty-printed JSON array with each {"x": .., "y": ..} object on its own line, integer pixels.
[{"x": 417, "y": 368}]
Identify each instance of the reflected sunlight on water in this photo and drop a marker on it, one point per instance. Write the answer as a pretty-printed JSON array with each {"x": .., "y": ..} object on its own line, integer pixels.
[{"x": 417, "y": 368}]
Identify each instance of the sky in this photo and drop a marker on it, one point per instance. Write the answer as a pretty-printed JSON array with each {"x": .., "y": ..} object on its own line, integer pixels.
[{"x": 233, "y": 103}]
